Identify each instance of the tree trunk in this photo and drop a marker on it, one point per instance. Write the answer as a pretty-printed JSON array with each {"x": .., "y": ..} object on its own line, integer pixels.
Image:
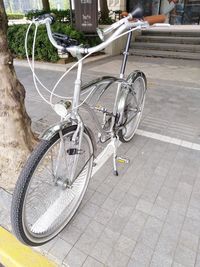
[
  {"x": 46, "y": 6},
  {"x": 17, "y": 139},
  {"x": 104, "y": 9}
]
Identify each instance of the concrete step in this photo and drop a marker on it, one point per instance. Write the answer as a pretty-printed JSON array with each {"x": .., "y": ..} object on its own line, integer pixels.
[
  {"x": 164, "y": 54},
  {"x": 167, "y": 47},
  {"x": 169, "y": 39},
  {"x": 174, "y": 32}
]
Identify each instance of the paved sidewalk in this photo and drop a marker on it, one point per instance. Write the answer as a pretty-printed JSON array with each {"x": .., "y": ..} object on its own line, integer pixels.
[{"x": 150, "y": 214}]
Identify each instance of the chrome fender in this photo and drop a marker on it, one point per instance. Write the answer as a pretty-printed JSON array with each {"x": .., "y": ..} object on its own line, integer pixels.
[
  {"x": 124, "y": 93},
  {"x": 54, "y": 129}
]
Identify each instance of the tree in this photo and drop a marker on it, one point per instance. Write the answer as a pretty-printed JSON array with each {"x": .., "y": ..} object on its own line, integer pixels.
[
  {"x": 17, "y": 139},
  {"x": 104, "y": 10},
  {"x": 46, "y": 5}
]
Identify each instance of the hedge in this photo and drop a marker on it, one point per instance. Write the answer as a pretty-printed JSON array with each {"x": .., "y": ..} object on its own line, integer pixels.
[
  {"x": 44, "y": 50},
  {"x": 15, "y": 16},
  {"x": 61, "y": 15}
]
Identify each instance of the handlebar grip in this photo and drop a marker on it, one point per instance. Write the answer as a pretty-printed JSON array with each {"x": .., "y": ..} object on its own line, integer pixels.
[
  {"x": 51, "y": 16},
  {"x": 155, "y": 19},
  {"x": 137, "y": 13}
]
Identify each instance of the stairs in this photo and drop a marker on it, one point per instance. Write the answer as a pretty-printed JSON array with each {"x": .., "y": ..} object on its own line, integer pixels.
[{"x": 178, "y": 41}]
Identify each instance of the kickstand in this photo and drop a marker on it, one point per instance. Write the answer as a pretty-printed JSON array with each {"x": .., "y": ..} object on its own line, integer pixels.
[{"x": 115, "y": 144}]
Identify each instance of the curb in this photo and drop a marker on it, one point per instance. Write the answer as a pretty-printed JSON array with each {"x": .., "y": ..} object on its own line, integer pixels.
[
  {"x": 14, "y": 254},
  {"x": 55, "y": 66}
]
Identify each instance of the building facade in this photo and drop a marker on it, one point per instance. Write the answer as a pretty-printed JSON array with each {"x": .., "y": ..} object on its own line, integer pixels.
[{"x": 178, "y": 11}]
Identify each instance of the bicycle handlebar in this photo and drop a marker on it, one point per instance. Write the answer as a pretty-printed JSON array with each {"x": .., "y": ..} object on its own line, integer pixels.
[{"x": 131, "y": 21}]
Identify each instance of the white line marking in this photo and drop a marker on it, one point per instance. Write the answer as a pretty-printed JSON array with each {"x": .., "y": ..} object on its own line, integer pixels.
[{"x": 168, "y": 139}]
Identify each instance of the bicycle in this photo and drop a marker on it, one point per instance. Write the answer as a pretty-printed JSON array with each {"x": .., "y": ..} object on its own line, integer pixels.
[{"x": 55, "y": 177}]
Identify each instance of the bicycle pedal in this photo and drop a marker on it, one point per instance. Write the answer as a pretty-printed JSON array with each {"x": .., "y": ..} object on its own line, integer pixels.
[{"x": 122, "y": 160}]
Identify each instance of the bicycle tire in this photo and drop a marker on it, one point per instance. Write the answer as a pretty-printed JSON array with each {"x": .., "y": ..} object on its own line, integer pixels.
[
  {"x": 138, "y": 88},
  {"x": 24, "y": 207}
]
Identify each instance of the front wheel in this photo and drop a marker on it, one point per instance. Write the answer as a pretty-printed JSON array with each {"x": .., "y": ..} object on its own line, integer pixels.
[
  {"x": 42, "y": 203},
  {"x": 133, "y": 100}
]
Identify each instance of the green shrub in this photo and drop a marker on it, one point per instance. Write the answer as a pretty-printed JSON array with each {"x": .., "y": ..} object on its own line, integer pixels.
[
  {"x": 61, "y": 15},
  {"x": 43, "y": 49},
  {"x": 15, "y": 16},
  {"x": 107, "y": 21}
]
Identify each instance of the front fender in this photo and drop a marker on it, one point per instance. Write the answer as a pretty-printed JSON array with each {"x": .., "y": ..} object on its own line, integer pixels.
[{"x": 53, "y": 130}]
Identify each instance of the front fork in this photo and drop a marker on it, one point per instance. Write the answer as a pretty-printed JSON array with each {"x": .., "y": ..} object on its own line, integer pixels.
[{"x": 70, "y": 155}]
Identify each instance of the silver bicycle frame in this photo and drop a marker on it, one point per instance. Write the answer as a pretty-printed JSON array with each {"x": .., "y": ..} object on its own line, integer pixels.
[{"x": 76, "y": 51}]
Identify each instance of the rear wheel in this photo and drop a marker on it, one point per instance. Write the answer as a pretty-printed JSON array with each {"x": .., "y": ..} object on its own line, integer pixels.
[
  {"x": 42, "y": 204},
  {"x": 134, "y": 99}
]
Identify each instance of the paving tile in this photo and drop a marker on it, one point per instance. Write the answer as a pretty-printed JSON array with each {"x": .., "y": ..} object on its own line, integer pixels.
[
  {"x": 138, "y": 217},
  {"x": 151, "y": 232},
  {"x": 136, "y": 189},
  {"x": 109, "y": 237},
  {"x": 105, "y": 189},
  {"x": 175, "y": 219},
  {"x": 125, "y": 245},
  {"x": 185, "y": 256},
  {"x": 161, "y": 260},
  {"x": 117, "y": 223},
  {"x": 142, "y": 253},
  {"x": 159, "y": 212},
  {"x": 169, "y": 232},
  {"x": 193, "y": 213},
  {"x": 165, "y": 196},
  {"x": 144, "y": 206},
  {"x": 189, "y": 241},
  {"x": 75, "y": 258},
  {"x": 71, "y": 234},
  {"x": 110, "y": 204},
  {"x": 197, "y": 262},
  {"x": 86, "y": 242},
  {"x": 149, "y": 195},
  {"x": 175, "y": 264},
  {"x": 90, "y": 209},
  {"x": 46, "y": 247},
  {"x": 179, "y": 208},
  {"x": 166, "y": 246},
  {"x": 125, "y": 183},
  {"x": 132, "y": 230},
  {"x": 103, "y": 216},
  {"x": 91, "y": 262},
  {"x": 134, "y": 263},
  {"x": 94, "y": 229},
  {"x": 60, "y": 249},
  {"x": 94, "y": 184},
  {"x": 192, "y": 226},
  {"x": 116, "y": 259},
  {"x": 129, "y": 200},
  {"x": 117, "y": 194},
  {"x": 81, "y": 221},
  {"x": 88, "y": 194},
  {"x": 183, "y": 193},
  {"x": 98, "y": 198},
  {"x": 101, "y": 251}
]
